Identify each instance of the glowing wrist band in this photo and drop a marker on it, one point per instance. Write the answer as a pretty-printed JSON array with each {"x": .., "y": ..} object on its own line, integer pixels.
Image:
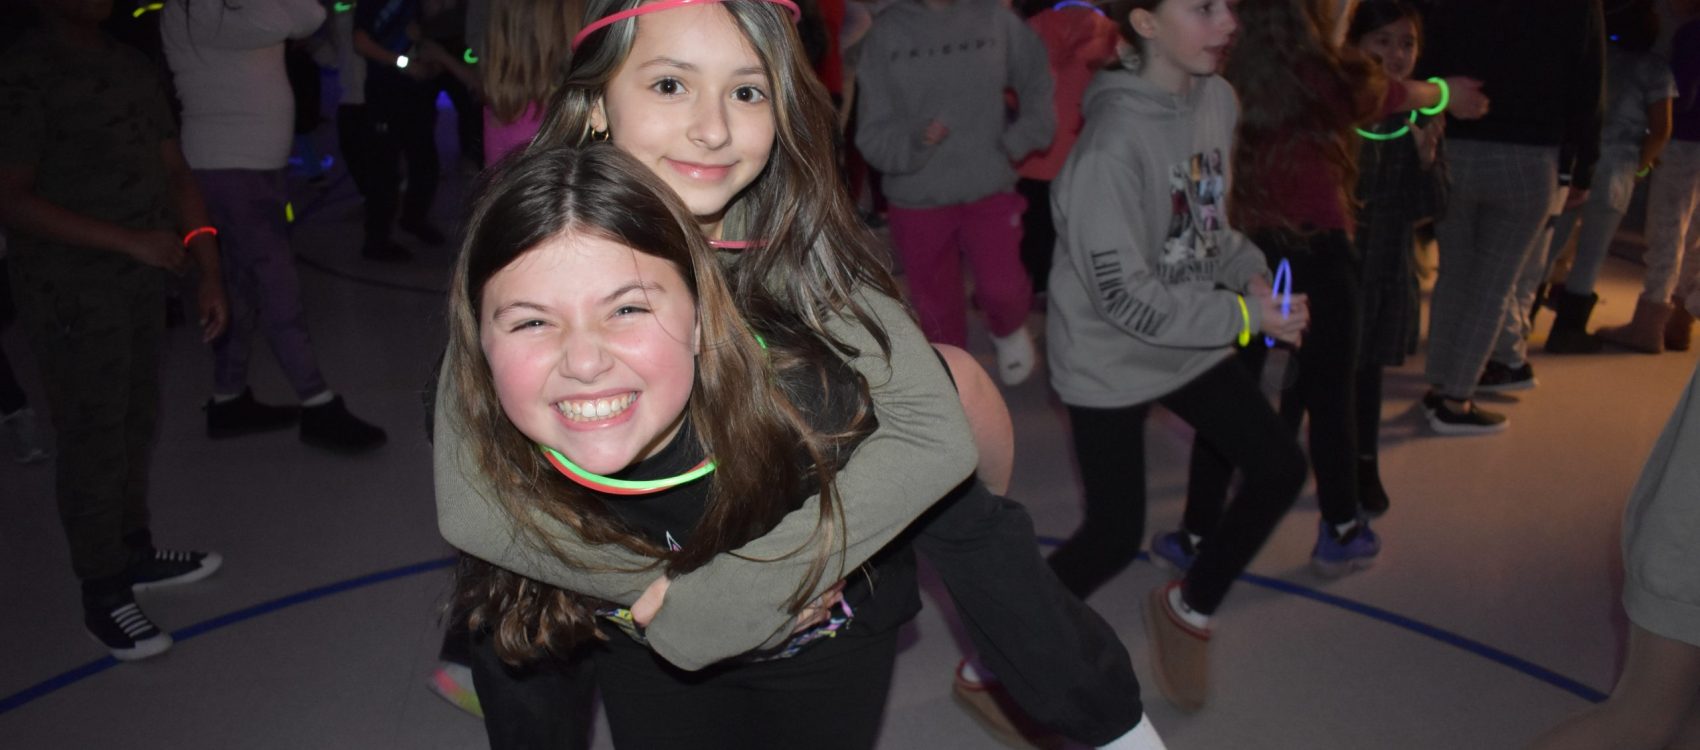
[
  {"x": 1395, "y": 135},
  {"x": 1644, "y": 171},
  {"x": 1284, "y": 287},
  {"x": 1245, "y": 321},
  {"x": 660, "y": 5},
  {"x": 343, "y": 7},
  {"x": 614, "y": 486},
  {"x": 196, "y": 232},
  {"x": 1445, "y": 98},
  {"x": 470, "y": 58},
  {"x": 140, "y": 11},
  {"x": 400, "y": 62}
]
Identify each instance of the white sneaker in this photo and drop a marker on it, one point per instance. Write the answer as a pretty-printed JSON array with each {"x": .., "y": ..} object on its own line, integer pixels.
[{"x": 1015, "y": 356}]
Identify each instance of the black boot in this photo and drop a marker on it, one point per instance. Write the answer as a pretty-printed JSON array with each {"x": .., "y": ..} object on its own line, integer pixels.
[
  {"x": 1570, "y": 328},
  {"x": 331, "y": 427}
]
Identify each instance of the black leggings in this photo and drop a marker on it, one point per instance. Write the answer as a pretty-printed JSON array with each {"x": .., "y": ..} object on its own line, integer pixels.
[
  {"x": 1234, "y": 421},
  {"x": 831, "y": 696},
  {"x": 1325, "y": 267}
]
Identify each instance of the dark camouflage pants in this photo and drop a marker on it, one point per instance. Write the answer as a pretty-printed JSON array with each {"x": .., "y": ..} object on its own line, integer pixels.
[{"x": 97, "y": 343}]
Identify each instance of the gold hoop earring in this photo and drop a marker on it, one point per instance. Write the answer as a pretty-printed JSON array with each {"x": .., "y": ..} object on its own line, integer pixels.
[{"x": 599, "y": 135}]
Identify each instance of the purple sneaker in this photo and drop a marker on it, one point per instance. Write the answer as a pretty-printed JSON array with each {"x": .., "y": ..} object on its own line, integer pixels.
[
  {"x": 1173, "y": 551},
  {"x": 1332, "y": 558}
]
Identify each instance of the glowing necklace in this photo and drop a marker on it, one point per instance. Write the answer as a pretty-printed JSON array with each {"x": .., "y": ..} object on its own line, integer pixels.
[{"x": 614, "y": 486}]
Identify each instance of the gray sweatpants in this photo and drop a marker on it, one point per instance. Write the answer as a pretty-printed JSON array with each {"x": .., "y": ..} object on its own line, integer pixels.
[{"x": 1501, "y": 196}]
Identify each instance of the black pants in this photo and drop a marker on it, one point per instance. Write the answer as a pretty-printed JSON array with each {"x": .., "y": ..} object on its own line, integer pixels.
[
  {"x": 1038, "y": 232},
  {"x": 11, "y": 394},
  {"x": 1059, "y": 660},
  {"x": 358, "y": 136},
  {"x": 1233, "y": 421},
  {"x": 831, "y": 696},
  {"x": 549, "y": 705},
  {"x": 1325, "y": 267},
  {"x": 404, "y": 115}
]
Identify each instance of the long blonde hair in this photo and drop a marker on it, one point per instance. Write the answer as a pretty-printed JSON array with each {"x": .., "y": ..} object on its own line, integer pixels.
[{"x": 525, "y": 52}]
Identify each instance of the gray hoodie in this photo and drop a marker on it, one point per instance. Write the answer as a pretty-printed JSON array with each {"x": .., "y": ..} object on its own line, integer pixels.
[
  {"x": 952, "y": 64},
  {"x": 1146, "y": 271}
]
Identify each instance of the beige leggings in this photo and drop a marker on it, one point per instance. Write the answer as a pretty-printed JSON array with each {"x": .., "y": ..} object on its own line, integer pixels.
[{"x": 1655, "y": 706}]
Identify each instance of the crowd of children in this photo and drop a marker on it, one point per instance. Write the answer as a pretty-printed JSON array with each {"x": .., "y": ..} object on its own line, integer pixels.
[{"x": 687, "y": 430}]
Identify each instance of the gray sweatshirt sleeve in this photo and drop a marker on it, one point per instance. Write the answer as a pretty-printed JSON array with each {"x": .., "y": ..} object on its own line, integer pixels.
[
  {"x": 921, "y": 450},
  {"x": 1029, "y": 74},
  {"x": 734, "y": 604},
  {"x": 887, "y": 134},
  {"x": 1242, "y": 261},
  {"x": 1105, "y": 209}
]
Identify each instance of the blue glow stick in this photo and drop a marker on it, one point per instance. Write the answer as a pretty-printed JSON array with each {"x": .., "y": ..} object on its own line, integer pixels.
[
  {"x": 1079, "y": 4},
  {"x": 1284, "y": 287}
]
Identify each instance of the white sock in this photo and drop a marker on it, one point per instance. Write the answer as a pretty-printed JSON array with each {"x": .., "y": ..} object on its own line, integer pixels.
[
  {"x": 1342, "y": 529},
  {"x": 1188, "y": 615},
  {"x": 1142, "y": 736},
  {"x": 1194, "y": 538},
  {"x": 1016, "y": 356},
  {"x": 225, "y": 398},
  {"x": 320, "y": 400},
  {"x": 976, "y": 672}
]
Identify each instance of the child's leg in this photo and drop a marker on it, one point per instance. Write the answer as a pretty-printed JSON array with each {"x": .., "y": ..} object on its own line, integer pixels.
[
  {"x": 1657, "y": 694},
  {"x": 1328, "y": 365},
  {"x": 988, "y": 417},
  {"x": 833, "y": 703},
  {"x": 1229, "y": 412},
  {"x": 651, "y": 704},
  {"x": 259, "y": 268},
  {"x": 1058, "y": 659},
  {"x": 1110, "y": 447},
  {"x": 991, "y": 240},
  {"x": 550, "y": 704},
  {"x": 925, "y": 239},
  {"x": 1614, "y": 183},
  {"x": 1673, "y": 199},
  {"x": 1209, "y": 471}
]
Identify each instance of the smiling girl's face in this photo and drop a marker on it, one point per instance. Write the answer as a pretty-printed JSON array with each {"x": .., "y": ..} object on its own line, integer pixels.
[
  {"x": 592, "y": 348},
  {"x": 692, "y": 103},
  {"x": 1395, "y": 45}
]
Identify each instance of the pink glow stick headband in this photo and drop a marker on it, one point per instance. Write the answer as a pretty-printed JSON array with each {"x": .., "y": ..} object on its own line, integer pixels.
[{"x": 796, "y": 14}]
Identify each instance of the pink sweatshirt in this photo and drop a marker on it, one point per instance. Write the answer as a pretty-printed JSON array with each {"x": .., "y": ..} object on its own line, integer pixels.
[{"x": 1078, "y": 41}]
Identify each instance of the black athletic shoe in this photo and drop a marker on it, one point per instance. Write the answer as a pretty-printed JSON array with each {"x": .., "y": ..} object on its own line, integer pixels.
[
  {"x": 331, "y": 427},
  {"x": 244, "y": 416},
  {"x": 1498, "y": 378},
  {"x": 161, "y": 568},
  {"x": 1471, "y": 420},
  {"x": 125, "y": 630}
]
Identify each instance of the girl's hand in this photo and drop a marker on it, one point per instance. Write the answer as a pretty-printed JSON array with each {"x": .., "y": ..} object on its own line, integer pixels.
[
  {"x": 1289, "y": 329},
  {"x": 647, "y": 605},
  {"x": 1468, "y": 101},
  {"x": 157, "y": 248},
  {"x": 214, "y": 309},
  {"x": 818, "y": 610},
  {"x": 935, "y": 133}
]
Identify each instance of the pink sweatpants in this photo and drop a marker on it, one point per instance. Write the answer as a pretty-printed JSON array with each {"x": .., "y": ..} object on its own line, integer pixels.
[{"x": 932, "y": 242}]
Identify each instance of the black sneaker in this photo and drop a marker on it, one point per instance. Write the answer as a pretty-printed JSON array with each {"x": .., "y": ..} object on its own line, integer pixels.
[
  {"x": 125, "y": 630},
  {"x": 423, "y": 230},
  {"x": 385, "y": 251},
  {"x": 160, "y": 568},
  {"x": 245, "y": 416},
  {"x": 1471, "y": 420},
  {"x": 331, "y": 427},
  {"x": 1498, "y": 378}
]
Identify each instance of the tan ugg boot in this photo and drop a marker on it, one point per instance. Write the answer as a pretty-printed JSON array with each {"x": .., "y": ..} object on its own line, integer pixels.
[
  {"x": 1645, "y": 332},
  {"x": 1680, "y": 328}
]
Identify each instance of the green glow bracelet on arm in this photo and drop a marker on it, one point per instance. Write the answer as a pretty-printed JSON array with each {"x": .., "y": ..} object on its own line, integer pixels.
[{"x": 1445, "y": 97}]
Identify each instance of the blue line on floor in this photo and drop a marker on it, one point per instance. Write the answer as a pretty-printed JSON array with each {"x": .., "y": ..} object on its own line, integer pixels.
[
  {"x": 53, "y": 684},
  {"x": 1415, "y": 626},
  {"x": 78, "y": 674}
]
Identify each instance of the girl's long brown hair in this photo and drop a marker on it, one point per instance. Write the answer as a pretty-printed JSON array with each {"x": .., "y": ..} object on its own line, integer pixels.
[
  {"x": 1291, "y": 82},
  {"x": 815, "y": 251},
  {"x": 525, "y": 50},
  {"x": 739, "y": 411}
]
